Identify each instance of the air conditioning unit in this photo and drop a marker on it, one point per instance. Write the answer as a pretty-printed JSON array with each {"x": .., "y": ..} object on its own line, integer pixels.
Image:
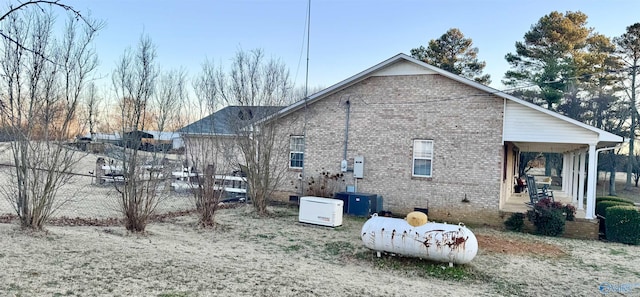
[
  {"x": 360, "y": 204},
  {"x": 320, "y": 211}
]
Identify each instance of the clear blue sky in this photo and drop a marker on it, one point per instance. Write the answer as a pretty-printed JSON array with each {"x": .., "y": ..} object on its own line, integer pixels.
[{"x": 347, "y": 36}]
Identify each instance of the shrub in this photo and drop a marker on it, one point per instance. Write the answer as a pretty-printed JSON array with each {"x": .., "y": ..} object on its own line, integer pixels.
[
  {"x": 549, "y": 222},
  {"x": 548, "y": 217},
  {"x": 570, "y": 211},
  {"x": 623, "y": 224},
  {"x": 515, "y": 222},
  {"x": 613, "y": 198},
  {"x": 602, "y": 205},
  {"x": 325, "y": 184}
]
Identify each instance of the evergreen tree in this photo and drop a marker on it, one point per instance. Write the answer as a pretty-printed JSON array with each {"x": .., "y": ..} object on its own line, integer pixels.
[
  {"x": 572, "y": 69},
  {"x": 454, "y": 53},
  {"x": 546, "y": 57}
]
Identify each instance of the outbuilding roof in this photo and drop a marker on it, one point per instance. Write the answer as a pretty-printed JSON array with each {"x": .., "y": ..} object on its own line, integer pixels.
[{"x": 226, "y": 121}]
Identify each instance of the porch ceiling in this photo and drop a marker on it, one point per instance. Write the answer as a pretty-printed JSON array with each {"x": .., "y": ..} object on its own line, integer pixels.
[
  {"x": 540, "y": 147},
  {"x": 551, "y": 147}
]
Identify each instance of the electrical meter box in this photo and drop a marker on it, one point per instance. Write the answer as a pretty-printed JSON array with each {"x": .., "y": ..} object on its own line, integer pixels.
[{"x": 358, "y": 167}]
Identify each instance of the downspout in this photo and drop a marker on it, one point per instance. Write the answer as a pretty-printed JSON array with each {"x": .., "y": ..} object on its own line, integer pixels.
[
  {"x": 344, "y": 163},
  {"x": 504, "y": 114},
  {"x": 346, "y": 131},
  {"x": 304, "y": 150}
]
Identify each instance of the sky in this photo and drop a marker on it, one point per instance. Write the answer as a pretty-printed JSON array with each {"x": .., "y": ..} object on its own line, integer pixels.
[{"x": 346, "y": 36}]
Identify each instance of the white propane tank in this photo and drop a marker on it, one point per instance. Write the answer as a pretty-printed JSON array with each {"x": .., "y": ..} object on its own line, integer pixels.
[{"x": 432, "y": 241}]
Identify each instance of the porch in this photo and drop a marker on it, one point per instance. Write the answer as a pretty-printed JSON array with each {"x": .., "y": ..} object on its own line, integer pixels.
[
  {"x": 530, "y": 128},
  {"x": 516, "y": 202},
  {"x": 580, "y": 228}
]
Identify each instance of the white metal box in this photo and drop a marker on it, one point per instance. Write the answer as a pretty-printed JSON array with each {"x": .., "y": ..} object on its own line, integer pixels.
[
  {"x": 320, "y": 211},
  {"x": 358, "y": 167}
]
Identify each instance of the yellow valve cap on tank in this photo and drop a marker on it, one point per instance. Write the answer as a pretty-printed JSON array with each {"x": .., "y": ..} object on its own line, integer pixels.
[{"x": 416, "y": 218}]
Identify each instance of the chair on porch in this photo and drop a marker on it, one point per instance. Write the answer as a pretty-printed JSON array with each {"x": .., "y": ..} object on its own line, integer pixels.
[{"x": 536, "y": 194}]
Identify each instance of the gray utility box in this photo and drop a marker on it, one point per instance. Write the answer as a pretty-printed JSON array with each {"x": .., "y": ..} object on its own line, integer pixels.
[
  {"x": 358, "y": 167},
  {"x": 360, "y": 204}
]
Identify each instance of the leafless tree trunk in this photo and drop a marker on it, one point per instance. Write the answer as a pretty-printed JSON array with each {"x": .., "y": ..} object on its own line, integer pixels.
[
  {"x": 134, "y": 81},
  {"x": 208, "y": 152},
  {"x": 92, "y": 108},
  {"x": 43, "y": 80},
  {"x": 205, "y": 156},
  {"x": 254, "y": 81}
]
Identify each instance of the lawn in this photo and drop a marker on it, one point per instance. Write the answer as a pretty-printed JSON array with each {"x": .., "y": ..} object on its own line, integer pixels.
[
  {"x": 633, "y": 193},
  {"x": 247, "y": 255}
]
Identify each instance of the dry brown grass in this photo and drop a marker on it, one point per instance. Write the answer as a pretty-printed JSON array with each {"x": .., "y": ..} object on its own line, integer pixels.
[
  {"x": 249, "y": 255},
  {"x": 633, "y": 193}
]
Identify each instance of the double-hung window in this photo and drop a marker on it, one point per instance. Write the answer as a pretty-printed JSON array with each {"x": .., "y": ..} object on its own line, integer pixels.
[
  {"x": 422, "y": 157},
  {"x": 296, "y": 152}
]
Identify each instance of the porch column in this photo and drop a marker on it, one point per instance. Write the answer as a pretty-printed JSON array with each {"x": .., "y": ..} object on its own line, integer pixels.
[
  {"x": 574, "y": 183},
  {"x": 565, "y": 162},
  {"x": 581, "y": 181},
  {"x": 590, "y": 213},
  {"x": 569, "y": 175}
]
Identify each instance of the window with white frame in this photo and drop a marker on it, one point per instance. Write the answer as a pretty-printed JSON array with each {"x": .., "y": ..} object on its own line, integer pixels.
[
  {"x": 422, "y": 157},
  {"x": 296, "y": 152}
]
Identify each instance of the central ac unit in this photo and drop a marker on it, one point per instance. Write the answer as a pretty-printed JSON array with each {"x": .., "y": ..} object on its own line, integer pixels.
[{"x": 320, "y": 211}]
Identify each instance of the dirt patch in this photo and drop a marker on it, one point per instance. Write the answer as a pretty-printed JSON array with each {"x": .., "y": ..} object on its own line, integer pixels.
[{"x": 498, "y": 244}]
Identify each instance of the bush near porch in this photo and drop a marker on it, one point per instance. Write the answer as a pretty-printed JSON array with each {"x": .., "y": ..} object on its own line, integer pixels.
[
  {"x": 623, "y": 224},
  {"x": 614, "y": 198},
  {"x": 602, "y": 205},
  {"x": 549, "y": 217}
]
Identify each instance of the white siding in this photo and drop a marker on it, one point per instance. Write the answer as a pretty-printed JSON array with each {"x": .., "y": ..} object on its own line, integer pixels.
[
  {"x": 525, "y": 124},
  {"x": 178, "y": 142},
  {"x": 403, "y": 68}
]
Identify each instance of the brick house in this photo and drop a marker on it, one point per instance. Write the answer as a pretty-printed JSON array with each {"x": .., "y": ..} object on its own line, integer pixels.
[{"x": 433, "y": 139}]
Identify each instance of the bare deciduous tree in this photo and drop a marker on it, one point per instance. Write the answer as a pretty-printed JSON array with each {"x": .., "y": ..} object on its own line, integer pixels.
[
  {"x": 254, "y": 81},
  {"x": 169, "y": 98},
  {"x": 209, "y": 151},
  {"x": 43, "y": 79},
  {"x": 134, "y": 81},
  {"x": 299, "y": 93},
  {"x": 92, "y": 104}
]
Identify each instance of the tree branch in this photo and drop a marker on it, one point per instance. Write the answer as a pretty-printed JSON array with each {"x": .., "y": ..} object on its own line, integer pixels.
[
  {"x": 12, "y": 9},
  {"x": 52, "y": 3}
]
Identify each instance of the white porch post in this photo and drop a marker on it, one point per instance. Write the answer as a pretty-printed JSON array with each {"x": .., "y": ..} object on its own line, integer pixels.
[
  {"x": 574, "y": 183},
  {"x": 590, "y": 213},
  {"x": 569, "y": 175},
  {"x": 565, "y": 161},
  {"x": 581, "y": 181}
]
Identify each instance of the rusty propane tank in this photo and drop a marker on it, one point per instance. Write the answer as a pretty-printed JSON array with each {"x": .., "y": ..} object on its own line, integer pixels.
[{"x": 432, "y": 241}]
